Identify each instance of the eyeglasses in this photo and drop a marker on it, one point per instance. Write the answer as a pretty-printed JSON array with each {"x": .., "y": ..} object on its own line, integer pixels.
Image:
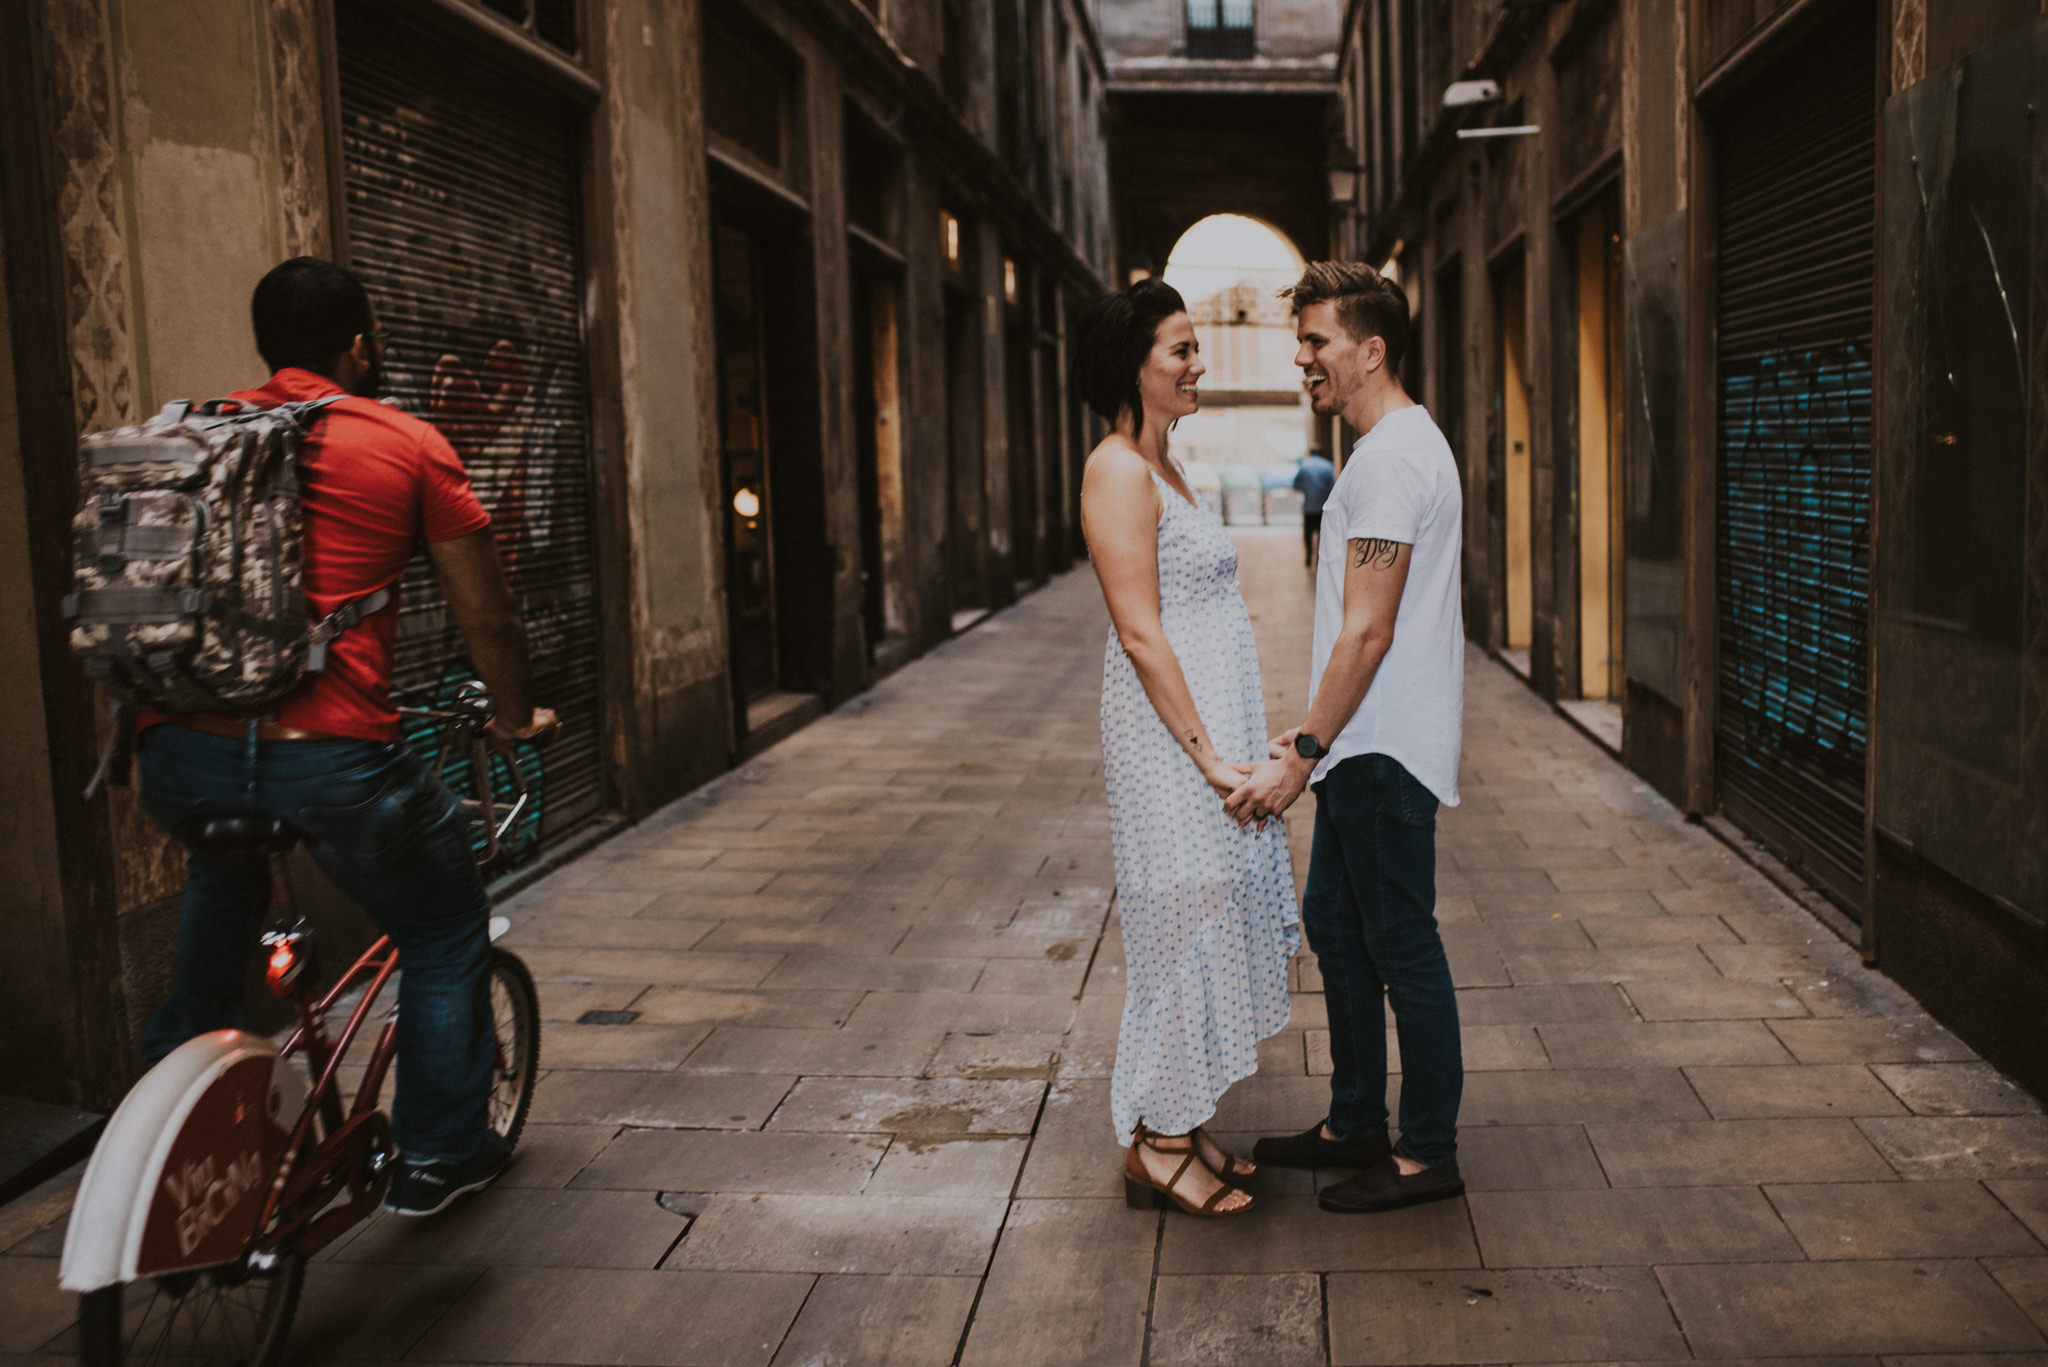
[{"x": 380, "y": 335}]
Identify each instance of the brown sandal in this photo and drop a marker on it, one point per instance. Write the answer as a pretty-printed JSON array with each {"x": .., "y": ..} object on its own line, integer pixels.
[
  {"x": 1142, "y": 1190},
  {"x": 1235, "y": 1168}
]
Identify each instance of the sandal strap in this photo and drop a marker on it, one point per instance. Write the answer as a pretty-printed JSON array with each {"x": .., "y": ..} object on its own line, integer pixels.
[{"x": 1151, "y": 1140}]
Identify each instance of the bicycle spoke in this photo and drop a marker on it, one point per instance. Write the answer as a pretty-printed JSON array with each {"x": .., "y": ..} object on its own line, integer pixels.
[{"x": 128, "y": 1347}]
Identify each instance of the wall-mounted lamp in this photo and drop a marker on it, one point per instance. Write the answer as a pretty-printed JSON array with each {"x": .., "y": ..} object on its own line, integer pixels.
[
  {"x": 1009, "y": 280},
  {"x": 747, "y": 503},
  {"x": 1462, "y": 93},
  {"x": 1343, "y": 184},
  {"x": 949, "y": 233}
]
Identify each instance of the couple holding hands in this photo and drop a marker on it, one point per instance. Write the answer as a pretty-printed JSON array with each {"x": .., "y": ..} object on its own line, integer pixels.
[{"x": 1204, "y": 886}]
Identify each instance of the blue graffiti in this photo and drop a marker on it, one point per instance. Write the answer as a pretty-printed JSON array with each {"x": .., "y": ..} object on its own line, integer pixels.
[
  {"x": 1795, "y": 554},
  {"x": 427, "y": 738}
]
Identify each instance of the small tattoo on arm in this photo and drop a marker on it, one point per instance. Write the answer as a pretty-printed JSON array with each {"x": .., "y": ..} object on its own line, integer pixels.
[
  {"x": 1194, "y": 740},
  {"x": 1374, "y": 551}
]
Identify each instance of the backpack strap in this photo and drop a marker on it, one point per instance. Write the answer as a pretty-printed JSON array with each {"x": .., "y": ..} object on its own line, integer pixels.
[{"x": 340, "y": 620}]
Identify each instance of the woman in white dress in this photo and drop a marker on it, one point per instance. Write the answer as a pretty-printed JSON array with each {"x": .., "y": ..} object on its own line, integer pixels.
[{"x": 1208, "y": 908}]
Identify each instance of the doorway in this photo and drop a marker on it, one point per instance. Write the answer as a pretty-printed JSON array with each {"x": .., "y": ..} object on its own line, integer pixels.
[
  {"x": 878, "y": 442},
  {"x": 1021, "y": 429},
  {"x": 1595, "y": 241},
  {"x": 744, "y": 490},
  {"x": 1517, "y": 546},
  {"x": 967, "y": 532},
  {"x": 778, "y": 566}
]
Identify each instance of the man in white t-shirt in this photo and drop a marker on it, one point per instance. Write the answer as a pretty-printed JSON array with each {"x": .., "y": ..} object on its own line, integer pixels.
[{"x": 1380, "y": 747}]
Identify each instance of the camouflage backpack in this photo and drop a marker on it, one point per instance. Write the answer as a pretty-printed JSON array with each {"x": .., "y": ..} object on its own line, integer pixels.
[{"x": 189, "y": 590}]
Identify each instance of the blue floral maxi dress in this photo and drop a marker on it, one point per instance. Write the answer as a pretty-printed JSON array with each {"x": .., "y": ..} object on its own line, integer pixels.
[{"x": 1208, "y": 909}]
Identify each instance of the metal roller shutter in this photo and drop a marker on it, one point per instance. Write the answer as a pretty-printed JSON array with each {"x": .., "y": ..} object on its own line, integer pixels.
[
  {"x": 463, "y": 219},
  {"x": 1796, "y": 241}
]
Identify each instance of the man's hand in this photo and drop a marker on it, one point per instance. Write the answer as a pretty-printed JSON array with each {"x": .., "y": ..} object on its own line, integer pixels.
[
  {"x": 1271, "y": 790},
  {"x": 541, "y": 729},
  {"x": 1282, "y": 745}
]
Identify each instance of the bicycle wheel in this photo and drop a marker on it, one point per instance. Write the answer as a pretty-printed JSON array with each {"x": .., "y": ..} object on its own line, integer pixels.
[
  {"x": 235, "y": 1316},
  {"x": 515, "y": 1024}
]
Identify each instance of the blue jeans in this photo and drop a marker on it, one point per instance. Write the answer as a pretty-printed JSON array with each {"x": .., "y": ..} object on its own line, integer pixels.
[
  {"x": 1370, "y": 913},
  {"x": 391, "y": 836}
]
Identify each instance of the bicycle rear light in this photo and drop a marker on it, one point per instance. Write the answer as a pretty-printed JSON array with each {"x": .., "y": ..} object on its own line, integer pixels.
[{"x": 285, "y": 963}]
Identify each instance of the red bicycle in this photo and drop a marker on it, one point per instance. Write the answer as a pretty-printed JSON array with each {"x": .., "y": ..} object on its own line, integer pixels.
[{"x": 226, "y": 1168}]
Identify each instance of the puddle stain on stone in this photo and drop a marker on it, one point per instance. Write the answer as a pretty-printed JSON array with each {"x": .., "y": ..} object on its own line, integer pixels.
[{"x": 931, "y": 1120}]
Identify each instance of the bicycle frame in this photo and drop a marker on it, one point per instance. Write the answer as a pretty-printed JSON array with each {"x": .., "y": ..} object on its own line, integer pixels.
[{"x": 354, "y": 1152}]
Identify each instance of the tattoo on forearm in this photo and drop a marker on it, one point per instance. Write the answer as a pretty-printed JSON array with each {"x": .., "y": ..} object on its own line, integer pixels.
[
  {"x": 1374, "y": 551},
  {"x": 1195, "y": 741}
]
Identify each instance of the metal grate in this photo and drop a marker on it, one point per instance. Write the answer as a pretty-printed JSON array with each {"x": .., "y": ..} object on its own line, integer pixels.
[
  {"x": 462, "y": 218},
  {"x": 1796, "y": 241}
]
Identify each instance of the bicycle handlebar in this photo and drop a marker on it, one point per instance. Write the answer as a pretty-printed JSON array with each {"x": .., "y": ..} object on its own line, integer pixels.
[{"x": 467, "y": 720}]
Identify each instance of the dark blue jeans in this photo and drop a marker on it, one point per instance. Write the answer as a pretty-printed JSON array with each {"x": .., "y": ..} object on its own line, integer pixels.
[
  {"x": 392, "y": 837},
  {"x": 1370, "y": 913}
]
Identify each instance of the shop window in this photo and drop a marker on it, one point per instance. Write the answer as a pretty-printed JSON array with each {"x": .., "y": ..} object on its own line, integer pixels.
[
  {"x": 1220, "y": 29},
  {"x": 872, "y": 177}
]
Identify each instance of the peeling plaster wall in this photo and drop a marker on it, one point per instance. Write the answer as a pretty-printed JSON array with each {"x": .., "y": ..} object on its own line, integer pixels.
[
  {"x": 169, "y": 210},
  {"x": 662, "y": 282}
]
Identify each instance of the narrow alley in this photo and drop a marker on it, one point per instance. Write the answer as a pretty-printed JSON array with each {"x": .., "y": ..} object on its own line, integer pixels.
[{"x": 827, "y": 1063}]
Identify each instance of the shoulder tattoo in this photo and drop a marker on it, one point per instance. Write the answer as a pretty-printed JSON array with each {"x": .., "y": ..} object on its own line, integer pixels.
[{"x": 1375, "y": 551}]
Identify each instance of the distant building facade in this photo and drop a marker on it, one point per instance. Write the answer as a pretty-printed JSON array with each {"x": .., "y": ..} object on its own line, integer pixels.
[
  {"x": 1723, "y": 308},
  {"x": 749, "y": 320}
]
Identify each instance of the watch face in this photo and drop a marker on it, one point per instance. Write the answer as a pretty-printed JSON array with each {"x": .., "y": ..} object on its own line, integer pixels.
[{"x": 1307, "y": 746}]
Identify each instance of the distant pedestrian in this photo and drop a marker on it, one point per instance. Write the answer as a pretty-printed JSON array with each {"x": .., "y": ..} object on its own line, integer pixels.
[
  {"x": 1314, "y": 479},
  {"x": 1387, "y": 691},
  {"x": 1208, "y": 908}
]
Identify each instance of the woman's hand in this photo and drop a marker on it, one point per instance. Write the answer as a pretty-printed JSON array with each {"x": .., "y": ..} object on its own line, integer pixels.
[{"x": 1225, "y": 777}]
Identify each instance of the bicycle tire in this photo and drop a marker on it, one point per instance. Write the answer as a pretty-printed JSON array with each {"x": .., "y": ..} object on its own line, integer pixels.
[
  {"x": 116, "y": 1329},
  {"x": 515, "y": 1021}
]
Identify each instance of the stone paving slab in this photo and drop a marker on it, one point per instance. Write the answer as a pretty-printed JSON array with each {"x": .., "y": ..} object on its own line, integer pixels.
[
  {"x": 1565, "y": 1315},
  {"x": 1920, "y": 1306},
  {"x": 861, "y": 1114},
  {"x": 913, "y": 1235},
  {"x": 911, "y": 1321},
  {"x": 642, "y": 1319}
]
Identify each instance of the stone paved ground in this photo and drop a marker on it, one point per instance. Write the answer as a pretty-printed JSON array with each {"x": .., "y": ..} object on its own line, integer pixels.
[{"x": 861, "y": 1114}]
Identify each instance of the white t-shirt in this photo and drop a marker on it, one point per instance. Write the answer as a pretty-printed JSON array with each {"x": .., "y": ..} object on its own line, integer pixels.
[{"x": 1401, "y": 484}]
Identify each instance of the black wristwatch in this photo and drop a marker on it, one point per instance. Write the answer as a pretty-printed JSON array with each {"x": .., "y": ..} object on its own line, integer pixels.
[{"x": 1308, "y": 747}]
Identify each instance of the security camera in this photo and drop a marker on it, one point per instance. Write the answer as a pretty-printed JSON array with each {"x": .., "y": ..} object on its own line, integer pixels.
[{"x": 1463, "y": 93}]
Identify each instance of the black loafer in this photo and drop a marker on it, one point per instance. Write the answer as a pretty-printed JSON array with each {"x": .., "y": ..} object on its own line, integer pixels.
[
  {"x": 1310, "y": 1150},
  {"x": 1384, "y": 1187}
]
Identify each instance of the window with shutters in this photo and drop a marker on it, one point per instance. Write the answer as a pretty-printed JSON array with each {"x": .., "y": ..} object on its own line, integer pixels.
[{"x": 1220, "y": 29}]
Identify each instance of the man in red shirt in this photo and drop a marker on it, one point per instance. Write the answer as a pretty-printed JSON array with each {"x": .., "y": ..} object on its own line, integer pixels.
[{"x": 328, "y": 759}]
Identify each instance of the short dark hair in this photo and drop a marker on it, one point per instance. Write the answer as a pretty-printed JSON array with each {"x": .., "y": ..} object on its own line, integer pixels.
[
  {"x": 1368, "y": 304},
  {"x": 307, "y": 312},
  {"x": 1113, "y": 336}
]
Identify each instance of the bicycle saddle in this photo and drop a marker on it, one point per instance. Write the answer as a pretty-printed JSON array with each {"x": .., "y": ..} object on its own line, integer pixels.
[{"x": 238, "y": 834}]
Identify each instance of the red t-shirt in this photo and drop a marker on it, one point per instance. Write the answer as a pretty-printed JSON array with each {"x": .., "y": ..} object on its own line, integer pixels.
[{"x": 374, "y": 482}]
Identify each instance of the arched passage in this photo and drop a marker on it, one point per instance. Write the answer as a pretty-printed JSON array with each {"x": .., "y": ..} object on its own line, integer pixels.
[{"x": 1254, "y": 423}]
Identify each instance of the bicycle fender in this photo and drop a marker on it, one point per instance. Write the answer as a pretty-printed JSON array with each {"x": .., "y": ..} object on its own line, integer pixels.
[{"x": 179, "y": 1178}]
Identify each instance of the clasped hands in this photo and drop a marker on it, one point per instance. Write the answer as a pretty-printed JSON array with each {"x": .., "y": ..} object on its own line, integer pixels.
[{"x": 1258, "y": 793}]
